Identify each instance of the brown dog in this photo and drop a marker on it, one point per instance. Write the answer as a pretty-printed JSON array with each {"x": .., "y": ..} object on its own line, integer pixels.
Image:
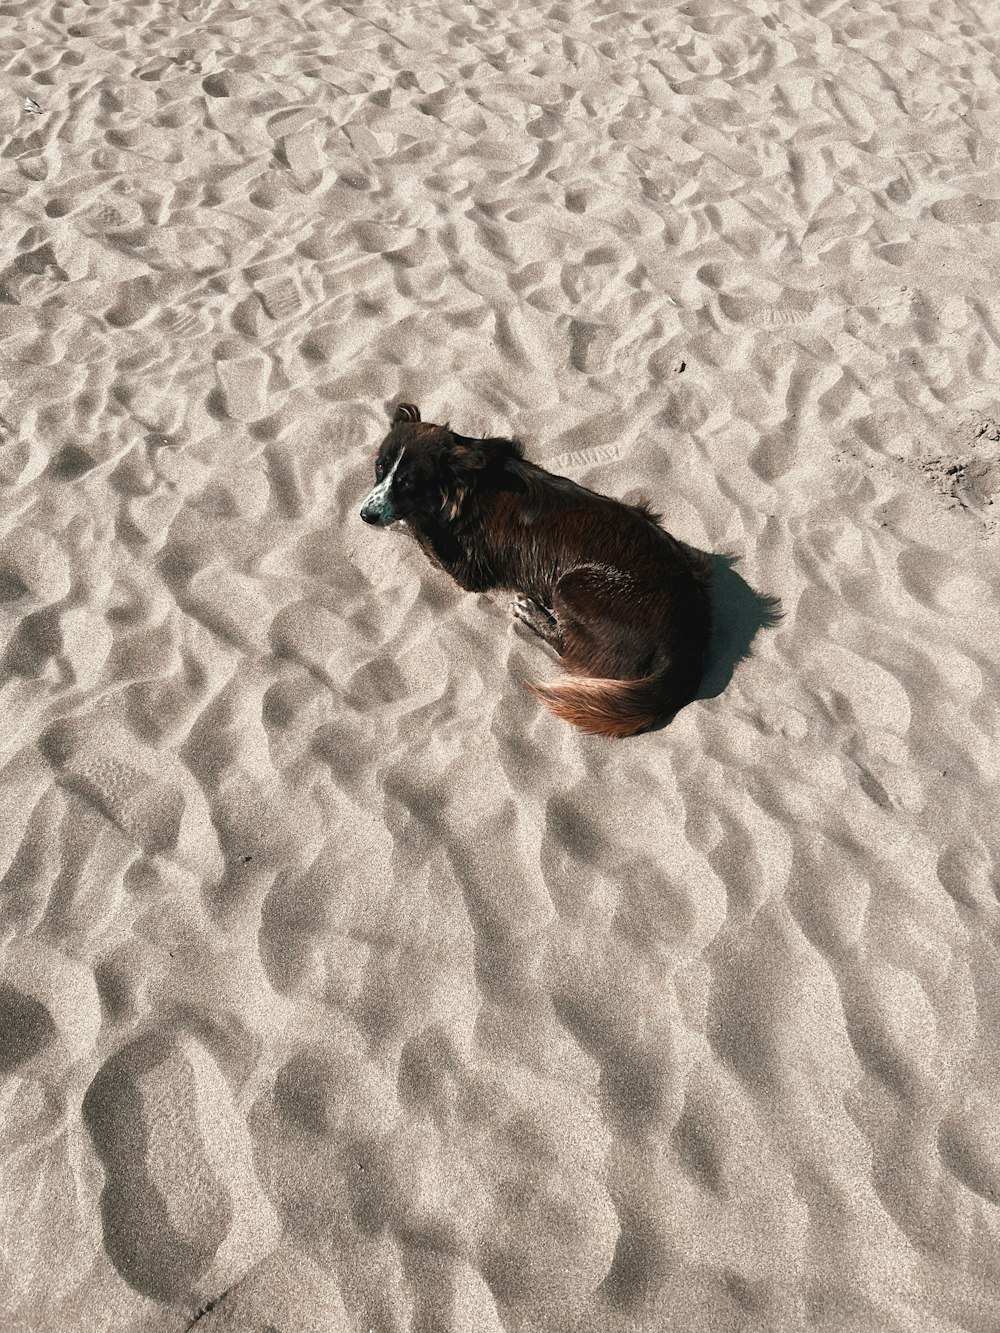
[{"x": 625, "y": 605}]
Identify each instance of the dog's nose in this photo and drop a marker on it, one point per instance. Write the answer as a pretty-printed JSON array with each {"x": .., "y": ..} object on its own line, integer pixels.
[{"x": 368, "y": 516}]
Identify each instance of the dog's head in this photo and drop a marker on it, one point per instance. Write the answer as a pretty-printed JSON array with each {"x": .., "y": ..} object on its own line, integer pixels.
[{"x": 422, "y": 471}]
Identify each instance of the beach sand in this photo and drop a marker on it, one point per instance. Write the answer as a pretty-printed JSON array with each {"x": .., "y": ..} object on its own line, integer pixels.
[{"x": 343, "y": 988}]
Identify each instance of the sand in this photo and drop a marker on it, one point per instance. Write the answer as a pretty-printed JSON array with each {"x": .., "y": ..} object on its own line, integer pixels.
[{"x": 342, "y": 988}]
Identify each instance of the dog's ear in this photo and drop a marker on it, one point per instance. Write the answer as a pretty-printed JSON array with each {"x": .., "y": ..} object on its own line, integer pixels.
[
  {"x": 465, "y": 457},
  {"x": 406, "y": 412}
]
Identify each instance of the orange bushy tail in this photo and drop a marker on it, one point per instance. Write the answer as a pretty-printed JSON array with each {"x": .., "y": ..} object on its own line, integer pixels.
[{"x": 617, "y": 707}]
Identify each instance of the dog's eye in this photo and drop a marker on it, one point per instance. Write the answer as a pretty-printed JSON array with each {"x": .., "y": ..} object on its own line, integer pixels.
[{"x": 379, "y": 469}]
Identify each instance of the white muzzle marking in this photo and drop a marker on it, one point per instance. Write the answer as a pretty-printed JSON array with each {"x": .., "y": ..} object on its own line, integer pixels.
[{"x": 378, "y": 507}]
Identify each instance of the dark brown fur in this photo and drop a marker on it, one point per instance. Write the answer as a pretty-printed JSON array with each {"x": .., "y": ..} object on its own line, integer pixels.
[{"x": 624, "y": 604}]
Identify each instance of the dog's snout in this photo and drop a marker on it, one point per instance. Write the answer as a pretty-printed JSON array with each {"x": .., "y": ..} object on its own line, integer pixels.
[{"x": 369, "y": 516}]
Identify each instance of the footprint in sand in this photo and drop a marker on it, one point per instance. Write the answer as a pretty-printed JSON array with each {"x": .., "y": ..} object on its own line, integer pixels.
[
  {"x": 581, "y": 458},
  {"x": 182, "y": 1210},
  {"x": 155, "y": 802},
  {"x": 141, "y": 806},
  {"x": 280, "y": 297},
  {"x": 793, "y": 308},
  {"x": 181, "y": 322},
  {"x": 243, "y": 385}
]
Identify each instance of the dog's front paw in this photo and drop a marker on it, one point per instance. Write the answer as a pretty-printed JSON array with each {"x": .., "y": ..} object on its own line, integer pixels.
[{"x": 532, "y": 614}]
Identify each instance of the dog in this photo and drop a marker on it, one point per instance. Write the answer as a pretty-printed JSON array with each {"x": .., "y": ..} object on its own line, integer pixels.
[{"x": 625, "y": 605}]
